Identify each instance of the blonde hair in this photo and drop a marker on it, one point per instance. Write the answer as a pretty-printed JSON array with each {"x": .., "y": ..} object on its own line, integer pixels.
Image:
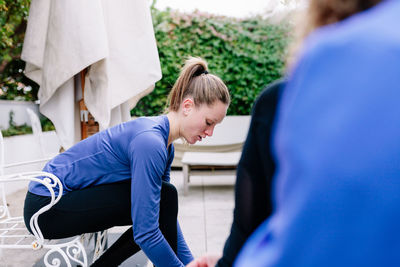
[
  {"x": 325, "y": 12},
  {"x": 195, "y": 81}
]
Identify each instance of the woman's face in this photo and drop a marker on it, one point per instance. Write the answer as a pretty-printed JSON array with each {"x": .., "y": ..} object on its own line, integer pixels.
[{"x": 199, "y": 121}]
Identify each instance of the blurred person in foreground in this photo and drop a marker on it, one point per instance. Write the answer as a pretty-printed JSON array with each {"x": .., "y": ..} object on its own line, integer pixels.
[
  {"x": 320, "y": 13},
  {"x": 337, "y": 145}
]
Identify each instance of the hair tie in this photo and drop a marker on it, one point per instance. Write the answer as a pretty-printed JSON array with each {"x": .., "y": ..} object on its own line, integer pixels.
[{"x": 199, "y": 72}]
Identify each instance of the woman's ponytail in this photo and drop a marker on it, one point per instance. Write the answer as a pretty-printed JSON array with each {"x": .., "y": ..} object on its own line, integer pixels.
[{"x": 195, "y": 81}]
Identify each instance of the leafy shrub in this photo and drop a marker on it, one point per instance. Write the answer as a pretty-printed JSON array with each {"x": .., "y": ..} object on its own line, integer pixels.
[
  {"x": 47, "y": 125},
  {"x": 13, "y": 20},
  {"x": 247, "y": 54},
  {"x": 13, "y": 16},
  {"x": 14, "y": 129},
  {"x": 14, "y": 85}
]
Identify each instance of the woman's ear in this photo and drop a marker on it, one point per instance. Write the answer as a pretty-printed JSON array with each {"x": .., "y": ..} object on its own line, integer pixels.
[{"x": 187, "y": 106}]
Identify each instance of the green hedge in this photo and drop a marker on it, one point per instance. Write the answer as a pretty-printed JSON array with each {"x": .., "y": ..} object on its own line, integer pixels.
[
  {"x": 13, "y": 16},
  {"x": 14, "y": 129},
  {"x": 246, "y": 54}
]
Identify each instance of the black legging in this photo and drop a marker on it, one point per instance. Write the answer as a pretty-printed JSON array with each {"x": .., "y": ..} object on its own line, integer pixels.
[{"x": 99, "y": 208}]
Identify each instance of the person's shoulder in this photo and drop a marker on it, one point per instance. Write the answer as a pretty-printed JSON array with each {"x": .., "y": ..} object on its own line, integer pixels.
[
  {"x": 271, "y": 90},
  {"x": 268, "y": 97},
  {"x": 150, "y": 138},
  {"x": 141, "y": 122},
  {"x": 148, "y": 144},
  {"x": 145, "y": 124},
  {"x": 141, "y": 133},
  {"x": 374, "y": 27}
]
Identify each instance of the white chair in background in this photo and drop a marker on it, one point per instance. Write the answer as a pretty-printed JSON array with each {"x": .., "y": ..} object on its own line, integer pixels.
[
  {"x": 215, "y": 163},
  {"x": 40, "y": 140},
  {"x": 38, "y": 134},
  {"x": 36, "y": 129}
]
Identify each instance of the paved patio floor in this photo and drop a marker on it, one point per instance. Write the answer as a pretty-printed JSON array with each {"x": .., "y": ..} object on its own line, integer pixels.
[{"x": 205, "y": 216}]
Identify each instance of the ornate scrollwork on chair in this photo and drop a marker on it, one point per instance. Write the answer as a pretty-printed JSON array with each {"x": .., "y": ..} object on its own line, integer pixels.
[{"x": 13, "y": 233}]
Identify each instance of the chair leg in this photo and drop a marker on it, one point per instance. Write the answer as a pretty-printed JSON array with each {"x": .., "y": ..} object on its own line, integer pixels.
[
  {"x": 185, "y": 170},
  {"x": 101, "y": 242}
]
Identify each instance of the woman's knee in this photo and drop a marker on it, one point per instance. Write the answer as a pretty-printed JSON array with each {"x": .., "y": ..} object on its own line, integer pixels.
[
  {"x": 168, "y": 189},
  {"x": 169, "y": 196},
  {"x": 33, "y": 203}
]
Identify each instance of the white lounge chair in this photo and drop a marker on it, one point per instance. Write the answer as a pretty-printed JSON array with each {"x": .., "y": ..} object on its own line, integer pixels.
[{"x": 220, "y": 153}]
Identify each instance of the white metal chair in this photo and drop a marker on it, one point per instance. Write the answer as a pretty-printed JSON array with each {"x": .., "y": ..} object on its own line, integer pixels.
[
  {"x": 218, "y": 163},
  {"x": 36, "y": 129},
  {"x": 14, "y": 235},
  {"x": 38, "y": 134}
]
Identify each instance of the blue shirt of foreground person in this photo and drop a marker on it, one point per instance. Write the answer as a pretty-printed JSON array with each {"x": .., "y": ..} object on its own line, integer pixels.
[{"x": 337, "y": 142}]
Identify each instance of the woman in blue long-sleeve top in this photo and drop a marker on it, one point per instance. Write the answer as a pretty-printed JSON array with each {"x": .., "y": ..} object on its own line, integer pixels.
[{"x": 120, "y": 176}]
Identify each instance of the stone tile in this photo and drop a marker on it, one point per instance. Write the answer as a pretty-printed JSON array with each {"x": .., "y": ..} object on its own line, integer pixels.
[
  {"x": 187, "y": 212},
  {"x": 193, "y": 199},
  {"x": 196, "y": 241},
  {"x": 216, "y": 230},
  {"x": 193, "y": 226},
  {"x": 215, "y": 246},
  {"x": 220, "y": 192},
  {"x": 198, "y": 251},
  {"x": 222, "y": 226},
  {"x": 213, "y": 210},
  {"x": 19, "y": 257}
]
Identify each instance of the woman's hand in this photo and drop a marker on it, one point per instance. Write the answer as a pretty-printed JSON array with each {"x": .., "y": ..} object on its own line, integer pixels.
[{"x": 204, "y": 261}]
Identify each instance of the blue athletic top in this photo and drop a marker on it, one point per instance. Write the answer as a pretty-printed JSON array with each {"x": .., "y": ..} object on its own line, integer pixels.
[
  {"x": 337, "y": 143},
  {"x": 136, "y": 150}
]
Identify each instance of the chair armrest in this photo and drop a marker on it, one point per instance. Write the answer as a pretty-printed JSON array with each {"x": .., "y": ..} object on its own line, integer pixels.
[{"x": 21, "y": 163}]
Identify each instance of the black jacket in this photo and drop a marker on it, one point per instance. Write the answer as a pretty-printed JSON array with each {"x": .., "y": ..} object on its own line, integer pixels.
[{"x": 255, "y": 171}]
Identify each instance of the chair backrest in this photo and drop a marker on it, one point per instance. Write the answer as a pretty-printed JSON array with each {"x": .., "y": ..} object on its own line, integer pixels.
[
  {"x": 35, "y": 122},
  {"x": 37, "y": 129},
  {"x": 4, "y": 212}
]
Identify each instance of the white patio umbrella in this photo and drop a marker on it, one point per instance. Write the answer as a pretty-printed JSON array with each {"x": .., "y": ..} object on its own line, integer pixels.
[{"x": 114, "y": 38}]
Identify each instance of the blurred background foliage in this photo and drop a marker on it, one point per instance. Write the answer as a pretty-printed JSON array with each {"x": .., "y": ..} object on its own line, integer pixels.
[
  {"x": 13, "y": 20},
  {"x": 247, "y": 54}
]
